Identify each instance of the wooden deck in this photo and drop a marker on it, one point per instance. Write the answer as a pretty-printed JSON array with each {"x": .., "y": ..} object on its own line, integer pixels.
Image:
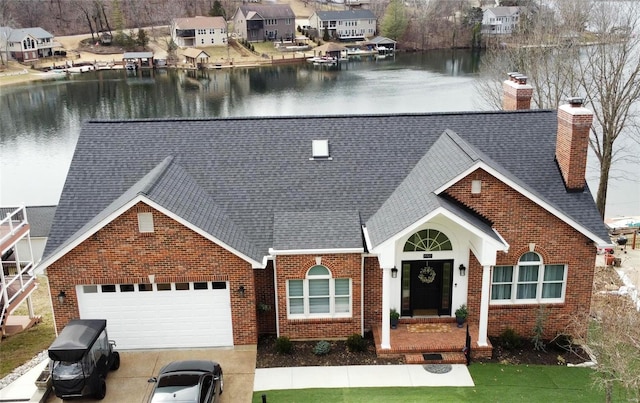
[{"x": 416, "y": 337}]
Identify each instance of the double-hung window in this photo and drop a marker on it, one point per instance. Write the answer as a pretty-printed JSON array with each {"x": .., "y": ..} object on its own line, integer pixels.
[
  {"x": 319, "y": 295},
  {"x": 531, "y": 281}
]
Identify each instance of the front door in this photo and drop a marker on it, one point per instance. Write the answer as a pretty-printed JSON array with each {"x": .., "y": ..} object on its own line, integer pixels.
[{"x": 426, "y": 287}]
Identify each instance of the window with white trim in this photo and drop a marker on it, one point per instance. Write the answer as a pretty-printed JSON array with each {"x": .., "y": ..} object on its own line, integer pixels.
[
  {"x": 319, "y": 295},
  {"x": 531, "y": 281}
]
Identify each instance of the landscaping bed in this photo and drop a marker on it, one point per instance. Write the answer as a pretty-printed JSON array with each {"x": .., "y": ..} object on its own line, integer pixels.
[{"x": 303, "y": 355}]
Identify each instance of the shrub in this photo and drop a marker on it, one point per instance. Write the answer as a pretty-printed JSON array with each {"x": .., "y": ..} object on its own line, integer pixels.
[
  {"x": 356, "y": 343},
  {"x": 509, "y": 339},
  {"x": 284, "y": 345},
  {"x": 322, "y": 348},
  {"x": 538, "y": 329},
  {"x": 563, "y": 342}
]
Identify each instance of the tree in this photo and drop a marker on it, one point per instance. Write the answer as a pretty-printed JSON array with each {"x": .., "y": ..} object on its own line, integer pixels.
[
  {"x": 394, "y": 22},
  {"x": 615, "y": 341},
  {"x": 217, "y": 10},
  {"x": 143, "y": 39},
  {"x": 609, "y": 77},
  {"x": 86, "y": 12},
  {"x": 605, "y": 74}
]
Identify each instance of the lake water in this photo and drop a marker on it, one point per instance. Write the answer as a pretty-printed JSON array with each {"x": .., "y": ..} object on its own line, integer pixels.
[{"x": 40, "y": 122}]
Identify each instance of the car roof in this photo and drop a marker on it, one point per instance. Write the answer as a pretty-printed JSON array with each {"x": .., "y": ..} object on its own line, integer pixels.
[{"x": 189, "y": 366}]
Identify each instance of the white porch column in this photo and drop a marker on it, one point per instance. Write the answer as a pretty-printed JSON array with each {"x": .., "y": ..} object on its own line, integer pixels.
[
  {"x": 484, "y": 306},
  {"x": 386, "y": 306}
]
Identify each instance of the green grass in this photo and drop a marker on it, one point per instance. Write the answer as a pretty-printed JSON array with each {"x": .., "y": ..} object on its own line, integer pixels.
[
  {"x": 20, "y": 348},
  {"x": 494, "y": 383}
]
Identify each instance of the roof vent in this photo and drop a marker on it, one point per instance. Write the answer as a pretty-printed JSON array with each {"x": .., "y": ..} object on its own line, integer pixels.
[{"x": 320, "y": 149}]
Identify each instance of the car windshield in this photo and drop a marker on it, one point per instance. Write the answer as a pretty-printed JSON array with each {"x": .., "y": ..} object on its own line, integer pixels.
[
  {"x": 177, "y": 388},
  {"x": 67, "y": 370}
]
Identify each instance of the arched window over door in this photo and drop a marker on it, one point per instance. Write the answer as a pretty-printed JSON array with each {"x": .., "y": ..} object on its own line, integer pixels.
[{"x": 427, "y": 240}]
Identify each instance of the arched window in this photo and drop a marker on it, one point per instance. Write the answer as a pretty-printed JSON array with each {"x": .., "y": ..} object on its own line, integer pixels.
[
  {"x": 531, "y": 281},
  {"x": 319, "y": 295},
  {"x": 427, "y": 240}
]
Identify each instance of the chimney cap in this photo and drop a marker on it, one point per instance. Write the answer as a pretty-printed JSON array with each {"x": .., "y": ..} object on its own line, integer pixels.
[
  {"x": 521, "y": 79},
  {"x": 512, "y": 75},
  {"x": 575, "y": 101}
]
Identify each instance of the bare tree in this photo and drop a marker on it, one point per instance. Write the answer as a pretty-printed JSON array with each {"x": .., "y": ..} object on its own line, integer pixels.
[
  {"x": 87, "y": 13},
  {"x": 615, "y": 342},
  {"x": 609, "y": 76},
  {"x": 560, "y": 64}
]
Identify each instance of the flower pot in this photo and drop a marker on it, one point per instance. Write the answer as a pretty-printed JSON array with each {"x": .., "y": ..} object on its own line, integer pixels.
[
  {"x": 460, "y": 320},
  {"x": 44, "y": 380},
  {"x": 394, "y": 323},
  {"x": 609, "y": 259}
]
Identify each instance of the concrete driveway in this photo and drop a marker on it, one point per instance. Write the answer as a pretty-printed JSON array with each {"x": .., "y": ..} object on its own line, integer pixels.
[{"x": 129, "y": 383}]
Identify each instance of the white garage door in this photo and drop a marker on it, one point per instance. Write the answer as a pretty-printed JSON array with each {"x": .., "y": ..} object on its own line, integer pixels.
[{"x": 161, "y": 315}]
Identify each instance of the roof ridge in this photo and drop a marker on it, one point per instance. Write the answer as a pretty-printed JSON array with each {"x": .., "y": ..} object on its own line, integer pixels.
[
  {"x": 324, "y": 117},
  {"x": 162, "y": 168}
]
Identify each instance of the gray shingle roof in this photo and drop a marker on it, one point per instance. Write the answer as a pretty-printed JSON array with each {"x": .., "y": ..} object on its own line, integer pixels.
[
  {"x": 448, "y": 157},
  {"x": 317, "y": 230},
  {"x": 40, "y": 219},
  {"x": 18, "y": 34},
  {"x": 254, "y": 168},
  {"x": 268, "y": 11},
  {"x": 504, "y": 11},
  {"x": 346, "y": 15}
]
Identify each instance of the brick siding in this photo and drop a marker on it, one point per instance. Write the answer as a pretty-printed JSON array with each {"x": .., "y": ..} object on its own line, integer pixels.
[
  {"x": 118, "y": 253},
  {"x": 265, "y": 294},
  {"x": 520, "y": 222},
  {"x": 515, "y": 96},
  {"x": 571, "y": 147},
  {"x": 295, "y": 268}
]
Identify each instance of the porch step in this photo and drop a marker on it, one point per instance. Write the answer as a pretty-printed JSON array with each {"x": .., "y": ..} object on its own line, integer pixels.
[{"x": 448, "y": 357}]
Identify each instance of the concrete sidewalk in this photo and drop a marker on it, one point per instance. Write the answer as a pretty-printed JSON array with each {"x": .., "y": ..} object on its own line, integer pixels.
[
  {"x": 24, "y": 388},
  {"x": 356, "y": 376},
  {"x": 629, "y": 271}
]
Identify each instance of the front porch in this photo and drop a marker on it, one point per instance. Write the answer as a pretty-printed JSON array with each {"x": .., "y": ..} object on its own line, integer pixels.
[{"x": 431, "y": 340}]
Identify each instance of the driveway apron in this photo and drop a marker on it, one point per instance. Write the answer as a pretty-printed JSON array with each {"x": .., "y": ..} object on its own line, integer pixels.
[{"x": 129, "y": 382}]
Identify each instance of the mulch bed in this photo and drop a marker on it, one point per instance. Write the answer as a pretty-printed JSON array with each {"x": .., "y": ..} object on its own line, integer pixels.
[
  {"x": 525, "y": 354},
  {"x": 302, "y": 355}
]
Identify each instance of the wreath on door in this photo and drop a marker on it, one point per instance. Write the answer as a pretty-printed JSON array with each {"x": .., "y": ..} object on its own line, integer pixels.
[{"x": 427, "y": 275}]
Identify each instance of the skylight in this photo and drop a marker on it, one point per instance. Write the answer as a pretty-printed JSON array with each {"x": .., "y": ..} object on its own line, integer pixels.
[{"x": 320, "y": 149}]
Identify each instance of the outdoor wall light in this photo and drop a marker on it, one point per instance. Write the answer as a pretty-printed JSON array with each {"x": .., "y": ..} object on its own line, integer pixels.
[
  {"x": 62, "y": 296},
  {"x": 463, "y": 270},
  {"x": 241, "y": 291},
  {"x": 394, "y": 273}
]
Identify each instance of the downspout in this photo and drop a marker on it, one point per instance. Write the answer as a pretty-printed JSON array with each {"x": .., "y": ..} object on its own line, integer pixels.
[
  {"x": 275, "y": 290},
  {"x": 362, "y": 295}
]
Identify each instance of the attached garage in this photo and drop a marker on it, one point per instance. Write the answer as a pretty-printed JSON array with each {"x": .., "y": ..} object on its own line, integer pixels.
[{"x": 161, "y": 315}]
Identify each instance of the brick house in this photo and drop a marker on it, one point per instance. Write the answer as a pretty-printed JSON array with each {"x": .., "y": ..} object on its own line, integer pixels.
[
  {"x": 315, "y": 227},
  {"x": 258, "y": 22}
]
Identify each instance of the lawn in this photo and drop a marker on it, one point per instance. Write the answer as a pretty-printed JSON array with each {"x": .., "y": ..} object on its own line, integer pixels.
[
  {"x": 20, "y": 348},
  {"x": 494, "y": 383}
]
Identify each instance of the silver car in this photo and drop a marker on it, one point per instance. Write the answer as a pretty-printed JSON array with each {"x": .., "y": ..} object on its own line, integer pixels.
[{"x": 192, "y": 381}]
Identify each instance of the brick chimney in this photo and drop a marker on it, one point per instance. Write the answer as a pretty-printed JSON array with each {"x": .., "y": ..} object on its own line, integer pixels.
[
  {"x": 574, "y": 124},
  {"x": 517, "y": 93}
]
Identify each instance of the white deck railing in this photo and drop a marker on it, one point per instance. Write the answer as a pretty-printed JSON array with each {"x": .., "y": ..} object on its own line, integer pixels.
[{"x": 13, "y": 220}]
